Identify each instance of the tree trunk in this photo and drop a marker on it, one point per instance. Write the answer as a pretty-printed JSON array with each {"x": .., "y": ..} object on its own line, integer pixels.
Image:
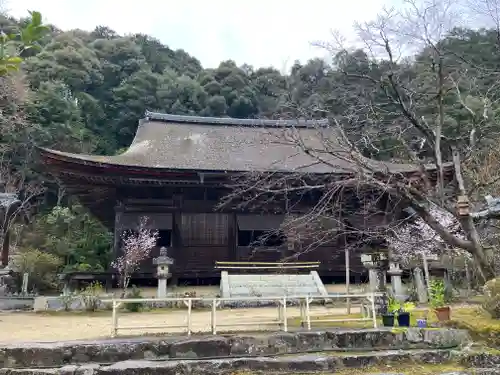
[
  {"x": 484, "y": 267},
  {"x": 467, "y": 222},
  {"x": 125, "y": 282},
  {"x": 5, "y": 248}
]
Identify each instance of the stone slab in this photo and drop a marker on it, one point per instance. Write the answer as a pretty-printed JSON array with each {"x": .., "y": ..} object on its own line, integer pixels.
[
  {"x": 57, "y": 354},
  {"x": 271, "y": 285},
  {"x": 299, "y": 363}
]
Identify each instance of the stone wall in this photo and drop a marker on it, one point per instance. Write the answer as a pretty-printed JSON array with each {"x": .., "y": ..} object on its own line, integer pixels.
[
  {"x": 16, "y": 303},
  {"x": 204, "y": 347}
]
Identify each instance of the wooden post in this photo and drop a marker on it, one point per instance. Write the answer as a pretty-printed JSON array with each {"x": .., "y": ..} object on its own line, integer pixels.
[
  {"x": 347, "y": 278},
  {"x": 214, "y": 316},
  {"x": 426, "y": 271},
  {"x": 374, "y": 312},
  {"x": 119, "y": 210},
  {"x": 114, "y": 331},
  {"x": 189, "y": 306},
  {"x": 468, "y": 278},
  {"x": 285, "y": 316},
  {"x": 308, "y": 314}
]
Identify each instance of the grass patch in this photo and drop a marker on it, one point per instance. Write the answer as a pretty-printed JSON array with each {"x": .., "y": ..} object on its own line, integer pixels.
[
  {"x": 481, "y": 326},
  {"x": 473, "y": 318},
  {"x": 406, "y": 369},
  {"x": 295, "y": 322}
]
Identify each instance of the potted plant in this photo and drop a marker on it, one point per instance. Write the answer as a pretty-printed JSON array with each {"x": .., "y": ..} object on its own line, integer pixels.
[
  {"x": 437, "y": 300},
  {"x": 393, "y": 307},
  {"x": 404, "y": 314}
]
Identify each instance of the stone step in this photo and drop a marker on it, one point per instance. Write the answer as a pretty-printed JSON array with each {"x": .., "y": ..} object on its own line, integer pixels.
[
  {"x": 293, "y": 363},
  {"x": 36, "y": 355}
]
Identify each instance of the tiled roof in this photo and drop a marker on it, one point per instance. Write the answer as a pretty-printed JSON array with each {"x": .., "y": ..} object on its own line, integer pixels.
[{"x": 221, "y": 144}]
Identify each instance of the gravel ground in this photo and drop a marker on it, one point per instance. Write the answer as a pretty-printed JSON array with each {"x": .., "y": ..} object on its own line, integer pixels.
[{"x": 46, "y": 327}]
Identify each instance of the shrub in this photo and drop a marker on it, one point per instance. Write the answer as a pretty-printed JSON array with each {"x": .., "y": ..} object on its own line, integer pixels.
[
  {"x": 437, "y": 293},
  {"x": 90, "y": 296},
  {"x": 67, "y": 300},
  {"x": 134, "y": 306},
  {"x": 491, "y": 302},
  {"x": 41, "y": 266}
]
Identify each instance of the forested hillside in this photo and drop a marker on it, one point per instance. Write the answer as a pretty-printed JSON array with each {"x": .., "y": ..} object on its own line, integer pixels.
[
  {"x": 101, "y": 83},
  {"x": 84, "y": 91}
]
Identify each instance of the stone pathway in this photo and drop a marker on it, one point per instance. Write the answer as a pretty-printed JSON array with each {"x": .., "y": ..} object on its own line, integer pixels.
[{"x": 40, "y": 327}]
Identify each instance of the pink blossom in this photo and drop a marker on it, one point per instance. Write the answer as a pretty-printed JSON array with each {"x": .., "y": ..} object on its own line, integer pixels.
[{"x": 136, "y": 246}]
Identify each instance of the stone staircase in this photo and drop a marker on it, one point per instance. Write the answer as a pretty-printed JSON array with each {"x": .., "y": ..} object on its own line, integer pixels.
[
  {"x": 322, "y": 351},
  {"x": 271, "y": 285}
]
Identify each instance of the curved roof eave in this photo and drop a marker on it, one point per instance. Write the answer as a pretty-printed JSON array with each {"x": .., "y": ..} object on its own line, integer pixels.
[{"x": 94, "y": 161}]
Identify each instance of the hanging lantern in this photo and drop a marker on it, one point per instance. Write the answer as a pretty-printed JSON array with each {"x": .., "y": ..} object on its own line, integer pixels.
[{"x": 463, "y": 205}]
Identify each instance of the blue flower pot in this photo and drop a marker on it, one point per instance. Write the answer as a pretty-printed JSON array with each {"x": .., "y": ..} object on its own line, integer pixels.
[
  {"x": 421, "y": 323},
  {"x": 404, "y": 319}
]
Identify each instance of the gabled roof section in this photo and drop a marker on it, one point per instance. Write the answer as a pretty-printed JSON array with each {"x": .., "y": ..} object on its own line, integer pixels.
[{"x": 173, "y": 142}]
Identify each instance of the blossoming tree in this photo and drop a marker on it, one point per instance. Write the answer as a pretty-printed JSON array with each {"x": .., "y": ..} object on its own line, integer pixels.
[
  {"x": 415, "y": 239},
  {"x": 137, "y": 246}
]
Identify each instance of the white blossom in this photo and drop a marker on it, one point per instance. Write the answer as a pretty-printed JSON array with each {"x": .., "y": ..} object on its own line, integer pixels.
[{"x": 415, "y": 239}]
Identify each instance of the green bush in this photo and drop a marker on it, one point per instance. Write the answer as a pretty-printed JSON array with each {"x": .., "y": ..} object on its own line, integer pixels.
[
  {"x": 437, "y": 293},
  {"x": 40, "y": 265},
  {"x": 491, "y": 302},
  {"x": 67, "y": 300},
  {"x": 134, "y": 306},
  {"x": 90, "y": 296}
]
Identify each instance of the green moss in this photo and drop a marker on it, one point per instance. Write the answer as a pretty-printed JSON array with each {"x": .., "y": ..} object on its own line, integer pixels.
[
  {"x": 486, "y": 350},
  {"x": 481, "y": 326},
  {"x": 400, "y": 368},
  {"x": 483, "y": 329},
  {"x": 407, "y": 369}
]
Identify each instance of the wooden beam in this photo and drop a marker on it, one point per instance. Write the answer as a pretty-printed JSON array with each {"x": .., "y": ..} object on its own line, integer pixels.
[
  {"x": 263, "y": 268},
  {"x": 267, "y": 263}
]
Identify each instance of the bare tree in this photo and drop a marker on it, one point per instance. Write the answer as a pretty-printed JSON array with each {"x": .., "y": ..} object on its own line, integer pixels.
[
  {"x": 18, "y": 188},
  {"x": 406, "y": 101},
  {"x": 486, "y": 13}
]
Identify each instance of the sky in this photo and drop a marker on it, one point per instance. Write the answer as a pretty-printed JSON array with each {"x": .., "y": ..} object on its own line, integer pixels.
[{"x": 257, "y": 32}]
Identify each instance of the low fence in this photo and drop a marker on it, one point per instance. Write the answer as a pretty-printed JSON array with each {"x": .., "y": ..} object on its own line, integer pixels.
[{"x": 367, "y": 305}]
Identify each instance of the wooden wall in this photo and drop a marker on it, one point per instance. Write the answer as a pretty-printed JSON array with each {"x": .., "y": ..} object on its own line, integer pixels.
[
  {"x": 200, "y": 236},
  {"x": 202, "y": 239}
]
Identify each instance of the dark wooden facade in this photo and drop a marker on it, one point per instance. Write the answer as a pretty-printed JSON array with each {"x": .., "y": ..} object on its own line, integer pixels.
[
  {"x": 198, "y": 235},
  {"x": 175, "y": 172}
]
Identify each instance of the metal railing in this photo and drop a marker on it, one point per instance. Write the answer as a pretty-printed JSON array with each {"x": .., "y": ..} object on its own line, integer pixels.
[{"x": 281, "y": 322}]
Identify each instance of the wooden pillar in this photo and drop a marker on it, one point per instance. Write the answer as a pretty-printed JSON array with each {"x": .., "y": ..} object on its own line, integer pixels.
[
  {"x": 119, "y": 209},
  {"x": 232, "y": 228},
  {"x": 176, "y": 247}
]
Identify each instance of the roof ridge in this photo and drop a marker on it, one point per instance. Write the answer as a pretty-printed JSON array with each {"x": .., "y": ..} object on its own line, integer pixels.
[{"x": 299, "y": 123}]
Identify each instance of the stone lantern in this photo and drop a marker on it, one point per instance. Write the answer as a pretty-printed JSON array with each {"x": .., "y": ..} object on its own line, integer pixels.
[
  {"x": 463, "y": 205},
  {"x": 376, "y": 264},
  {"x": 395, "y": 272},
  {"x": 163, "y": 263}
]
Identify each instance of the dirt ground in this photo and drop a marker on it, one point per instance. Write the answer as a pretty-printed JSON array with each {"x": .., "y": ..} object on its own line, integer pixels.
[{"x": 47, "y": 327}]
